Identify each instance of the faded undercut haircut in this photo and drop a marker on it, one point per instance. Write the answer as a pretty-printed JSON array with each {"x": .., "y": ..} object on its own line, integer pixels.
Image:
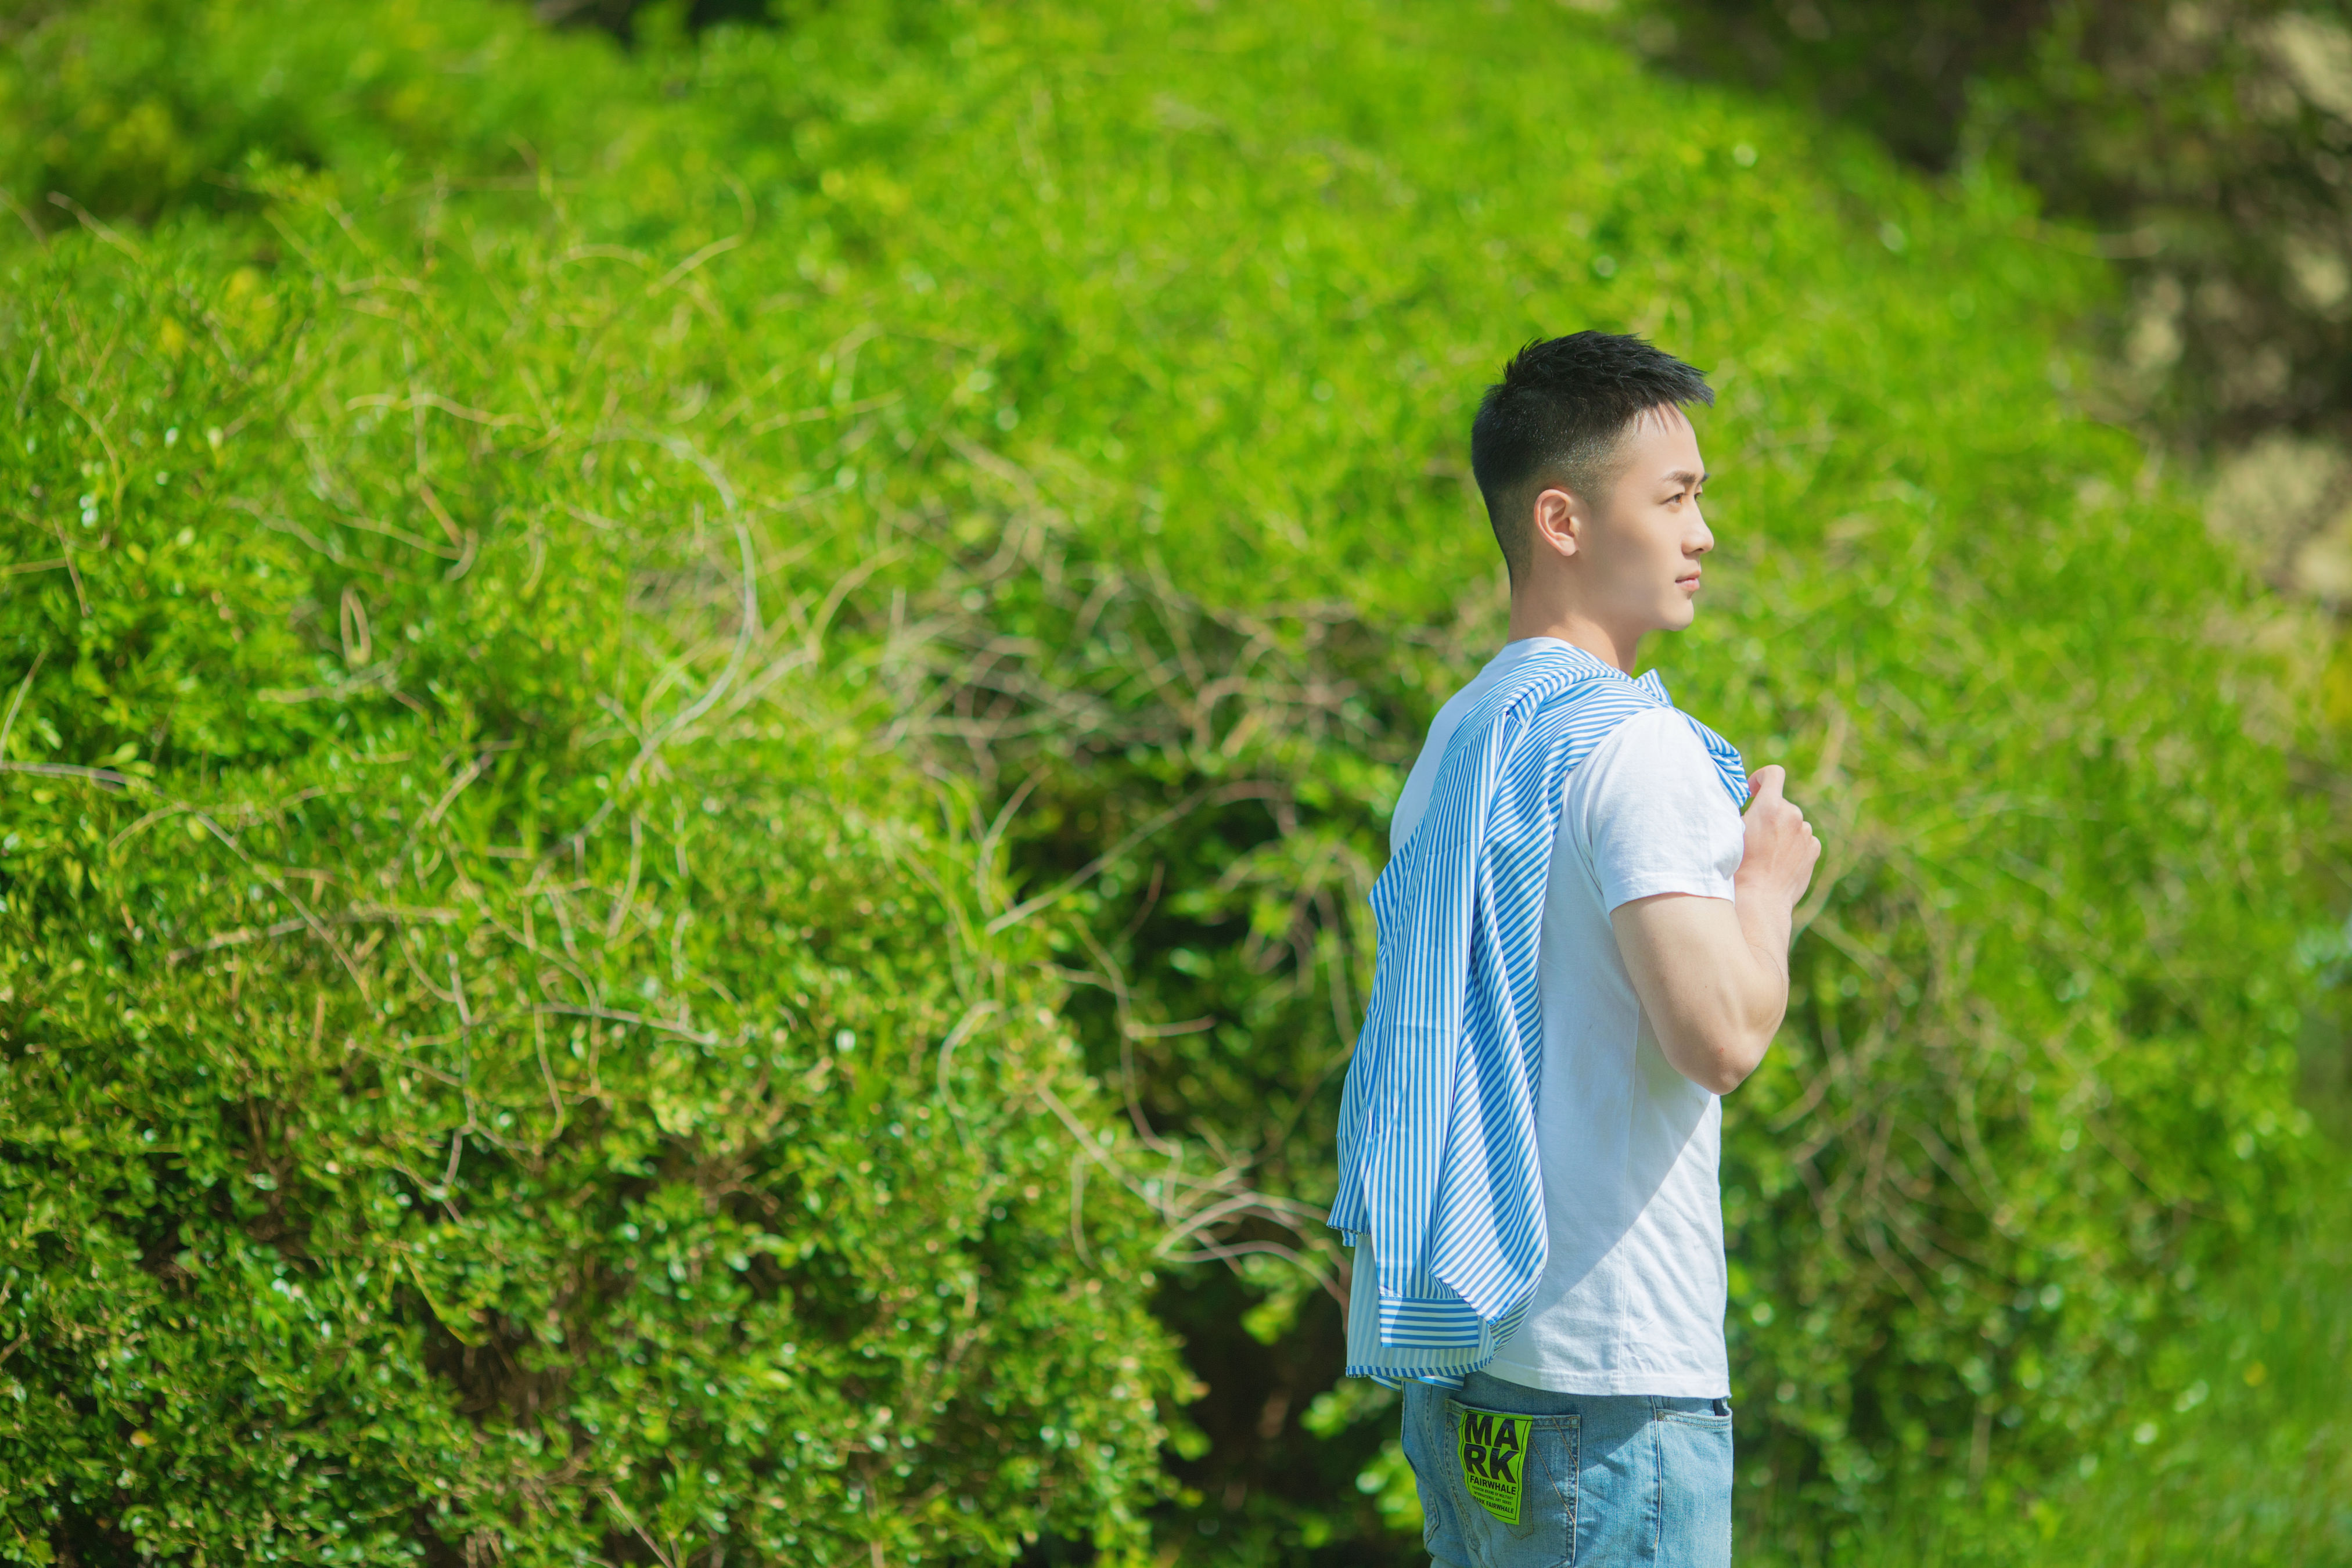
[{"x": 1560, "y": 413}]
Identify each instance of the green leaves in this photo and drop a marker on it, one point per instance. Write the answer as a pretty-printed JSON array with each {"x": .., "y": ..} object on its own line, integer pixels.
[
  {"x": 485, "y": 1078},
  {"x": 676, "y": 741}
]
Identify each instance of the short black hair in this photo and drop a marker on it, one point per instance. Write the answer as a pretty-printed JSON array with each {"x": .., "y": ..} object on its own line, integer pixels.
[{"x": 1561, "y": 411}]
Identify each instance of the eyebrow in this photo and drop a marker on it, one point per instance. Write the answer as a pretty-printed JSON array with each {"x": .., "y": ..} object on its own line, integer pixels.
[{"x": 1684, "y": 476}]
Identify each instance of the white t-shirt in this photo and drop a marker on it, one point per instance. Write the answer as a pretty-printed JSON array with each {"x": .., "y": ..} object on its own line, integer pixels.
[{"x": 1631, "y": 1298}]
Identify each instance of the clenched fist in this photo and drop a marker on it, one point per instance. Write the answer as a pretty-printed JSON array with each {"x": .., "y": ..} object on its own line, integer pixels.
[{"x": 1777, "y": 862}]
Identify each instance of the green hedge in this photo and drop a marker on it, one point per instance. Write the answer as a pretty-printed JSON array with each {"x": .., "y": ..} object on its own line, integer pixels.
[
  {"x": 142, "y": 107},
  {"x": 1088, "y": 402},
  {"x": 491, "y": 1062}
]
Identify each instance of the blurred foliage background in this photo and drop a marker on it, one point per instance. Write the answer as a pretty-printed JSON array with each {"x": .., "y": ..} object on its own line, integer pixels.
[{"x": 700, "y": 697}]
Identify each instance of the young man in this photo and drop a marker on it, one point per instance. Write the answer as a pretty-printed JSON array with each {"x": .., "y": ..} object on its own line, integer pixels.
[{"x": 1582, "y": 945}]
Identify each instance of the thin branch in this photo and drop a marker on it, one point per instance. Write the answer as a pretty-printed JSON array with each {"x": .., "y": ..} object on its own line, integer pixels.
[{"x": 1217, "y": 794}]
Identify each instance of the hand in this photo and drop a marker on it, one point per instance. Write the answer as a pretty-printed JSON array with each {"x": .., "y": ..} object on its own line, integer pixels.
[{"x": 1778, "y": 863}]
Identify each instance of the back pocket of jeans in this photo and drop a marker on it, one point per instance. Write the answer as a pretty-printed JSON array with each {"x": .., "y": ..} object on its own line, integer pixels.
[{"x": 1514, "y": 1484}]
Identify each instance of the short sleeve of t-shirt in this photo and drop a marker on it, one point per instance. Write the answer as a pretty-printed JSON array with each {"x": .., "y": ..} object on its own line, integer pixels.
[{"x": 1654, "y": 814}]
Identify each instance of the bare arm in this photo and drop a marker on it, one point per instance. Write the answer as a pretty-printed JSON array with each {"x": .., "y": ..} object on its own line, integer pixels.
[{"x": 1713, "y": 974}]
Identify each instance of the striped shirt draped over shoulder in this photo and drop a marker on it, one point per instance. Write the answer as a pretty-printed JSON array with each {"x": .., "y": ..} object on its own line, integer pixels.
[{"x": 1440, "y": 1189}]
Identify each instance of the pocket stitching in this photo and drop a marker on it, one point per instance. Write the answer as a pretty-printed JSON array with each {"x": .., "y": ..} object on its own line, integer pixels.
[
  {"x": 1570, "y": 1487},
  {"x": 1454, "y": 1407},
  {"x": 1474, "y": 1515}
]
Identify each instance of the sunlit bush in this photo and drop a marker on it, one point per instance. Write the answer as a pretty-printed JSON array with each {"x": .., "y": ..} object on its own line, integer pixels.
[
  {"x": 1084, "y": 404},
  {"x": 489, "y": 1059}
]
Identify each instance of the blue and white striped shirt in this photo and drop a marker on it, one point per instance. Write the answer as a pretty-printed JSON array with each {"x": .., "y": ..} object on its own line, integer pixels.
[{"x": 1440, "y": 1186}]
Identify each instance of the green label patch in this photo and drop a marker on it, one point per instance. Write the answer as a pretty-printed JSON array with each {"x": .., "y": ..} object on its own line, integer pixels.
[{"x": 1493, "y": 1457}]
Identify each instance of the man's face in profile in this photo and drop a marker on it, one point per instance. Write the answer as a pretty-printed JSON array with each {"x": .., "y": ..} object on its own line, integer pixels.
[{"x": 1640, "y": 540}]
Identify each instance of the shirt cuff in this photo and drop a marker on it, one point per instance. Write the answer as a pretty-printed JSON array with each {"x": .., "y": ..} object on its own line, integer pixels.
[{"x": 1421, "y": 1323}]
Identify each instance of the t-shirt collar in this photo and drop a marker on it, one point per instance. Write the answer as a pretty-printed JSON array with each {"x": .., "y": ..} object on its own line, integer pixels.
[{"x": 1648, "y": 680}]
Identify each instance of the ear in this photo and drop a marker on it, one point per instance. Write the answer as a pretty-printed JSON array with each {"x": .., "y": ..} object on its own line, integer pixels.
[{"x": 1559, "y": 521}]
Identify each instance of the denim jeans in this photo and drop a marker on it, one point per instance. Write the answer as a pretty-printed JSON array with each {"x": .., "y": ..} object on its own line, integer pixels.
[{"x": 1602, "y": 1479}]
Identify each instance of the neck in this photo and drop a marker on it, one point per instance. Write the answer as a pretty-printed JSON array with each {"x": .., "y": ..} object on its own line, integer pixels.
[{"x": 1531, "y": 618}]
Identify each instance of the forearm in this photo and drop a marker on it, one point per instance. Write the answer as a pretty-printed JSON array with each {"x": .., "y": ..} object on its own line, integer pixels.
[
  {"x": 1766, "y": 920},
  {"x": 1713, "y": 979},
  {"x": 1765, "y": 924},
  {"x": 1716, "y": 1034}
]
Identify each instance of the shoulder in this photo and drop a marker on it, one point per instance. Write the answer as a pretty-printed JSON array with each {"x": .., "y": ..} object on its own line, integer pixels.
[
  {"x": 1652, "y": 768},
  {"x": 1649, "y": 811},
  {"x": 1652, "y": 744}
]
